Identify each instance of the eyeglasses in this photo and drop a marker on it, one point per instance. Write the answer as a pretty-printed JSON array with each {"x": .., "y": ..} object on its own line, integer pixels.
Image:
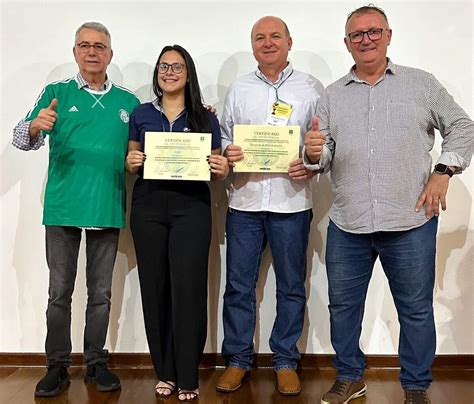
[
  {"x": 176, "y": 67},
  {"x": 373, "y": 34},
  {"x": 85, "y": 46}
]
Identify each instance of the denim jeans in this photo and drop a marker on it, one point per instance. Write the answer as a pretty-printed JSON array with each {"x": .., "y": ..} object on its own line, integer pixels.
[
  {"x": 247, "y": 236},
  {"x": 62, "y": 249},
  {"x": 408, "y": 260}
]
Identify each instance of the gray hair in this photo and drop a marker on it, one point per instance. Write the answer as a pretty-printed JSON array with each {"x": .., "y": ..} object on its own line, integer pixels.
[
  {"x": 369, "y": 8},
  {"x": 96, "y": 26}
]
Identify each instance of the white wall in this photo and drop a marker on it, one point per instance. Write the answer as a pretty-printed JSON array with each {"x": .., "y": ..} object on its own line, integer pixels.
[{"x": 37, "y": 40}]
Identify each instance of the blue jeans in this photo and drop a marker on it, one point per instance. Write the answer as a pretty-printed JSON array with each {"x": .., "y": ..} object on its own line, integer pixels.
[
  {"x": 247, "y": 236},
  {"x": 408, "y": 260},
  {"x": 62, "y": 249}
]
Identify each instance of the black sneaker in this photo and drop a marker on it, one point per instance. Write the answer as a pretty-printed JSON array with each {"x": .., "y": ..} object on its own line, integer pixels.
[
  {"x": 416, "y": 397},
  {"x": 54, "y": 382},
  {"x": 102, "y": 377},
  {"x": 344, "y": 391}
]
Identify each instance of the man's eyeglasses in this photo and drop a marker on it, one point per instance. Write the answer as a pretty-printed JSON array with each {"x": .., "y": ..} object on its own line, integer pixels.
[
  {"x": 373, "y": 34},
  {"x": 85, "y": 46},
  {"x": 176, "y": 67}
]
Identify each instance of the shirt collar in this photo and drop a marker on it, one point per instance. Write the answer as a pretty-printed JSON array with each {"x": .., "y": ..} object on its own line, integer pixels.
[
  {"x": 82, "y": 83},
  {"x": 287, "y": 71},
  {"x": 352, "y": 77},
  {"x": 159, "y": 107}
]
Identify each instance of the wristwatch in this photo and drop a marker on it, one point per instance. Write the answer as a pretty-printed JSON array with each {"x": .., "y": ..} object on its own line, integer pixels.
[{"x": 443, "y": 169}]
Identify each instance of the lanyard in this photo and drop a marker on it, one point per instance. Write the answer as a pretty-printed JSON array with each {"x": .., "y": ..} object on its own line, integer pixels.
[
  {"x": 175, "y": 119},
  {"x": 272, "y": 85}
]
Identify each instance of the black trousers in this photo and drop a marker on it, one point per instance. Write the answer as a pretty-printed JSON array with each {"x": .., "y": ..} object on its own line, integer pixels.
[{"x": 171, "y": 228}]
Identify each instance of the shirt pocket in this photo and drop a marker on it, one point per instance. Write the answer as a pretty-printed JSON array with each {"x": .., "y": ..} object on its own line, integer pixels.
[{"x": 402, "y": 114}]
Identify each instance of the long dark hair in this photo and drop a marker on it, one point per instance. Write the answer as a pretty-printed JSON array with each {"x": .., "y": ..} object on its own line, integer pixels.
[{"x": 197, "y": 113}]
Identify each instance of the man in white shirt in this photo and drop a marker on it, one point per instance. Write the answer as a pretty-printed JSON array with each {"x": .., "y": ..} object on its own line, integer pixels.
[{"x": 267, "y": 207}]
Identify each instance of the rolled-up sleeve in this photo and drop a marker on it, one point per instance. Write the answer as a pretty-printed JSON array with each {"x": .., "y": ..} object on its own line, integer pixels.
[{"x": 454, "y": 125}]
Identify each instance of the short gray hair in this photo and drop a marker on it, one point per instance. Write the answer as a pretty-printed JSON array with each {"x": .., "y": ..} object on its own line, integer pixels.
[
  {"x": 369, "y": 8},
  {"x": 96, "y": 26}
]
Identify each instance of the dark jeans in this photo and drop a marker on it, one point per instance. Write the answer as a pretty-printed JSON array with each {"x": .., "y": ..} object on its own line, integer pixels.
[
  {"x": 171, "y": 227},
  {"x": 247, "y": 236},
  {"x": 62, "y": 249},
  {"x": 408, "y": 260}
]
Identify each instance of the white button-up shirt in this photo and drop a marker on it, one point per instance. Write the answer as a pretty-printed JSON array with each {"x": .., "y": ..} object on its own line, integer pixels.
[{"x": 249, "y": 102}]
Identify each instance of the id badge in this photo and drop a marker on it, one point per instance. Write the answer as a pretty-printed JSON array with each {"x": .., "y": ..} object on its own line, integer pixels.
[{"x": 280, "y": 113}]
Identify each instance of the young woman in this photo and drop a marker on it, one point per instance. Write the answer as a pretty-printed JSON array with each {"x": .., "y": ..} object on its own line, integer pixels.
[{"x": 171, "y": 227}]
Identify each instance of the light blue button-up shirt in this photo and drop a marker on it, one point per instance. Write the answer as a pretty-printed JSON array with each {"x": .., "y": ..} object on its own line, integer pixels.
[{"x": 249, "y": 102}]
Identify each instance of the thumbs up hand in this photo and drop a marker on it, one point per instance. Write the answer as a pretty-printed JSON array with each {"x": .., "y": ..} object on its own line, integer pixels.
[
  {"x": 45, "y": 120},
  {"x": 53, "y": 104},
  {"x": 314, "y": 141}
]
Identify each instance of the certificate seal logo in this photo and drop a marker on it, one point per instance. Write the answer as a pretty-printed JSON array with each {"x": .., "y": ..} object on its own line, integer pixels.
[{"x": 124, "y": 116}]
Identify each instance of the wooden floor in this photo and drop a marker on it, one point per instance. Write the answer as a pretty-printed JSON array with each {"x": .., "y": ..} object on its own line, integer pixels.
[{"x": 17, "y": 387}]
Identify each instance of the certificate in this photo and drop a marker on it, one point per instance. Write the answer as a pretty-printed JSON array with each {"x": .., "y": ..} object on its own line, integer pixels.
[
  {"x": 177, "y": 156},
  {"x": 266, "y": 148}
]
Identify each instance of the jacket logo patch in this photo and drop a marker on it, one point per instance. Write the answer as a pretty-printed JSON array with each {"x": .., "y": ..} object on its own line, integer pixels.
[{"x": 124, "y": 116}]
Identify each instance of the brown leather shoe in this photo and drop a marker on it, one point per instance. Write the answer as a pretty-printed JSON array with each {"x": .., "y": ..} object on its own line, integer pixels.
[
  {"x": 288, "y": 382},
  {"x": 231, "y": 380}
]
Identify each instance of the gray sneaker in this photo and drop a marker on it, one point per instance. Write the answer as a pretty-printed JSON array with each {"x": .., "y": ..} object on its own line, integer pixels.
[
  {"x": 416, "y": 397},
  {"x": 344, "y": 391}
]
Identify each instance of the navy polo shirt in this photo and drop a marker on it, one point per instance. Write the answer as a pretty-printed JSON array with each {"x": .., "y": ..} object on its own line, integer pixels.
[{"x": 149, "y": 117}]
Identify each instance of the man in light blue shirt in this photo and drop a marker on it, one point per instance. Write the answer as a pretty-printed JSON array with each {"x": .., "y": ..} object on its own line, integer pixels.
[{"x": 273, "y": 208}]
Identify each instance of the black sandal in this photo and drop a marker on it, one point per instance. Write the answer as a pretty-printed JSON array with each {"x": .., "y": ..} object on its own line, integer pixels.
[
  {"x": 193, "y": 393},
  {"x": 168, "y": 387}
]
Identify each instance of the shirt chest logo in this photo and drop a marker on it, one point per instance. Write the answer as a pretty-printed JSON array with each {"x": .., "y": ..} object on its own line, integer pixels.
[
  {"x": 73, "y": 109},
  {"x": 124, "y": 116}
]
